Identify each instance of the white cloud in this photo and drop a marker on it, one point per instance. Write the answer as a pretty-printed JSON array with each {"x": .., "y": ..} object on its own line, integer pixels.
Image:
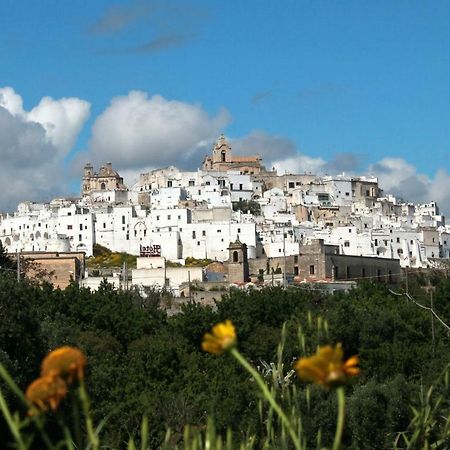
[
  {"x": 33, "y": 146},
  {"x": 62, "y": 119},
  {"x": 139, "y": 131},
  {"x": 278, "y": 152},
  {"x": 300, "y": 164},
  {"x": 398, "y": 177}
]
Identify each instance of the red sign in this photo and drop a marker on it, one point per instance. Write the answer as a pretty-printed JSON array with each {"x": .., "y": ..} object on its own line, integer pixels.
[{"x": 150, "y": 250}]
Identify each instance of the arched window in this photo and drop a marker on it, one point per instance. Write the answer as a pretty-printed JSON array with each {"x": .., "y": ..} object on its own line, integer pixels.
[
  {"x": 103, "y": 186},
  {"x": 235, "y": 256},
  {"x": 224, "y": 154}
]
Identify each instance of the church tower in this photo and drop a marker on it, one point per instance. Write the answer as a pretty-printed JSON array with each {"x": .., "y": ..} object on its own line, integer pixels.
[
  {"x": 221, "y": 151},
  {"x": 238, "y": 270},
  {"x": 88, "y": 174}
]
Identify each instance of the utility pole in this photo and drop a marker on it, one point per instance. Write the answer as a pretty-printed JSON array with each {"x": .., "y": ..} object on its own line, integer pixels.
[
  {"x": 189, "y": 281},
  {"x": 406, "y": 280},
  {"x": 18, "y": 266},
  {"x": 284, "y": 257},
  {"x": 432, "y": 321}
]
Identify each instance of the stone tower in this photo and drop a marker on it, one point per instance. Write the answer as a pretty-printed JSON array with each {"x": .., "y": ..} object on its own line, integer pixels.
[
  {"x": 238, "y": 271},
  {"x": 221, "y": 151},
  {"x": 88, "y": 174}
]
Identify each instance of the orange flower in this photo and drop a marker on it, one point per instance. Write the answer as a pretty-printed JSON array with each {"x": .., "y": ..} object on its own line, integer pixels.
[
  {"x": 65, "y": 362},
  {"x": 221, "y": 338},
  {"x": 326, "y": 367},
  {"x": 46, "y": 392}
]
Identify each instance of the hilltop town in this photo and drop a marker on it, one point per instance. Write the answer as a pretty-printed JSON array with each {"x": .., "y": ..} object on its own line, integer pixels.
[{"x": 248, "y": 223}]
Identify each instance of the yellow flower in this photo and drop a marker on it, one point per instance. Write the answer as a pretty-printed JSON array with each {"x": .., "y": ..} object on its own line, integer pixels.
[
  {"x": 326, "y": 367},
  {"x": 65, "y": 362},
  {"x": 221, "y": 338},
  {"x": 46, "y": 392}
]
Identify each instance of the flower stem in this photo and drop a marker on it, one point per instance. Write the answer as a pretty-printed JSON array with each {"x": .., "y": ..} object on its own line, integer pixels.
[
  {"x": 92, "y": 437},
  {"x": 340, "y": 421},
  {"x": 269, "y": 397}
]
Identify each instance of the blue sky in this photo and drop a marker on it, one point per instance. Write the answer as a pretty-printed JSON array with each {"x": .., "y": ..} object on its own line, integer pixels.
[{"x": 334, "y": 80}]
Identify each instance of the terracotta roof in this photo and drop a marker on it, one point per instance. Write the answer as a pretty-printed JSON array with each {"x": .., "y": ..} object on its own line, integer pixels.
[{"x": 244, "y": 159}]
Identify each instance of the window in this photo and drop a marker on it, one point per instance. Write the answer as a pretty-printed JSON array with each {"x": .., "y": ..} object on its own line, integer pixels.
[
  {"x": 223, "y": 156},
  {"x": 291, "y": 184},
  {"x": 295, "y": 258},
  {"x": 191, "y": 182},
  {"x": 203, "y": 233},
  {"x": 104, "y": 224},
  {"x": 169, "y": 217},
  {"x": 240, "y": 187},
  {"x": 123, "y": 220},
  {"x": 169, "y": 183},
  {"x": 157, "y": 217},
  {"x": 79, "y": 237},
  {"x": 235, "y": 256},
  {"x": 398, "y": 240},
  {"x": 69, "y": 227},
  {"x": 311, "y": 269},
  {"x": 347, "y": 244},
  {"x": 239, "y": 230},
  {"x": 295, "y": 270},
  {"x": 198, "y": 242},
  {"x": 81, "y": 227},
  {"x": 376, "y": 242},
  {"x": 193, "y": 235}
]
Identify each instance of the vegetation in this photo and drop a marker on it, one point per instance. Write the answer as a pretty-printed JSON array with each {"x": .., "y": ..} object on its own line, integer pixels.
[
  {"x": 193, "y": 262},
  {"x": 247, "y": 206},
  {"x": 147, "y": 377},
  {"x": 105, "y": 258}
]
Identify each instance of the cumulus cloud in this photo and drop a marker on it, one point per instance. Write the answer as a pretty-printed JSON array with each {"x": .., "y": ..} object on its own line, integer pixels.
[
  {"x": 398, "y": 177},
  {"x": 278, "y": 152},
  {"x": 138, "y": 131},
  {"x": 33, "y": 145}
]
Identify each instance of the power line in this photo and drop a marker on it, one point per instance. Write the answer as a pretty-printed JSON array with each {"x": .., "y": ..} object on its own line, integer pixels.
[{"x": 400, "y": 294}]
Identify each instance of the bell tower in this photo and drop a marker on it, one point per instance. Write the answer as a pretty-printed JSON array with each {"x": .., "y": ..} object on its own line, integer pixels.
[
  {"x": 238, "y": 270},
  {"x": 222, "y": 151}
]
